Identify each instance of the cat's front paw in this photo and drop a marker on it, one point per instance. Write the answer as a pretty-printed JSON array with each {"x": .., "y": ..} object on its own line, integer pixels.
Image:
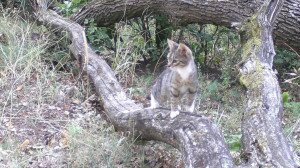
[{"x": 174, "y": 114}]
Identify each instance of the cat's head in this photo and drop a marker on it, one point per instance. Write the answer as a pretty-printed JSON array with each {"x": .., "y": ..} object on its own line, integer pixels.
[{"x": 179, "y": 55}]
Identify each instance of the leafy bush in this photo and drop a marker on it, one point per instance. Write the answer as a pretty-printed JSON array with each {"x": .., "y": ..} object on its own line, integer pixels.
[
  {"x": 98, "y": 37},
  {"x": 285, "y": 61},
  {"x": 288, "y": 66}
]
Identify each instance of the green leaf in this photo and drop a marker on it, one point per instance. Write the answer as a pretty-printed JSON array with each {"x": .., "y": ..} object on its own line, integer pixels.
[
  {"x": 234, "y": 142},
  {"x": 285, "y": 97}
]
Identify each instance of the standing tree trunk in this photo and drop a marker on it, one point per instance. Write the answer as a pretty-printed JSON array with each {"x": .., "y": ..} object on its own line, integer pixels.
[
  {"x": 264, "y": 144},
  {"x": 198, "y": 138}
]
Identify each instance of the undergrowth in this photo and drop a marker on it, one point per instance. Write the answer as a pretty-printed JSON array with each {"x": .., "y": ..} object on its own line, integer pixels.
[
  {"x": 21, "y": 64},
  {"x": 33, "y": 90}
]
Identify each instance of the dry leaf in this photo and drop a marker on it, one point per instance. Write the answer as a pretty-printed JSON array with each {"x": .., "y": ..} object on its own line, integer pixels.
[
  {"x": 51, "y": 141},
  {"x": 20, "y": 87},
  {"x": 76, "y": 101},
  {"x": 64, "y": 139},
  {"x": 2, "y": 73},
  {"x": 24, "y": 145}
]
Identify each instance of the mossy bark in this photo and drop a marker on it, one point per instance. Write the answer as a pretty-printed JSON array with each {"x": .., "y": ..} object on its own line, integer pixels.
[{"x": 264, "y": 144}]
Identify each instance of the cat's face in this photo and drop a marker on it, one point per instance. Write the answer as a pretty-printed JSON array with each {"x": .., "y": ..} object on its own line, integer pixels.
[{"x": 179, "y": 55}]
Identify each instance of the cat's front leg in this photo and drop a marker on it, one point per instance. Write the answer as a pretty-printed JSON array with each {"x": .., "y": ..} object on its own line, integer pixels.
[
  {"x": 191, "y": 108},
  {"x": 189, "y": 104},
  {"x": 154, "y": 103},
  {"x": 175, "y": 99}
]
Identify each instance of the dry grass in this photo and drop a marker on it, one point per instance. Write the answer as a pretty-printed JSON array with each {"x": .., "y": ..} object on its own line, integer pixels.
[{"x": 45, "y": 118}]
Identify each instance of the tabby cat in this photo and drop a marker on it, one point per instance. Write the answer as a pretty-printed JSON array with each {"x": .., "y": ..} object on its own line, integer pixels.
[{"x": 177, "y": 86}]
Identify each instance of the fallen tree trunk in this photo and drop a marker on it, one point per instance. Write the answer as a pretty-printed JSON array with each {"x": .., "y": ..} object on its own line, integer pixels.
[
  {"x": 197, "y": 137},
  {"x": 182, "y": 12}
]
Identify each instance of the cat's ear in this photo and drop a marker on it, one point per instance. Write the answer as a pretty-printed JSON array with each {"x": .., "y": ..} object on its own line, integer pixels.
[
  {"x": 172, "y": 44},
  {"x": 184, "y": 50}
]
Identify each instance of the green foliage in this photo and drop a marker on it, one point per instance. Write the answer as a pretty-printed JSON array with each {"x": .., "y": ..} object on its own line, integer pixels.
[
  {"x": 24, "y": 56},
  {"x": 148, "y": 80},
  {"x": 163, "y": 30},
  {"x": 98, "y": 37},
  {"x": 213, "y": 89},
  {"x": 285, "y": 61},
  {"x": 132, "y": 42},
  {"x": 74, "y": 129},
  {"x": 69, "y": 7},
  {"x": 19, "y": 54},
  {"x": 292, "y": 108},
  {"x": 141, "y": 85},
  {"x": 288, "y": 66},
  {"x": 25, "y": 5},
  {"x": 212, "y": 44},
  {"x": 221, "y": 91}
]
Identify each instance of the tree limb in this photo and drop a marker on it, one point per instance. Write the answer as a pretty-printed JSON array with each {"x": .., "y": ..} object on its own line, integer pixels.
[{"x": 182, "y": 12}]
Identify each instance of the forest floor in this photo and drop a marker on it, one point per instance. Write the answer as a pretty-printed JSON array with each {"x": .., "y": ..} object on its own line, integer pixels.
[{"x": 66, "y": 132}]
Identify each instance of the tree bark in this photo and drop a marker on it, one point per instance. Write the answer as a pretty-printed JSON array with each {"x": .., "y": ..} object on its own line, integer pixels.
[
  {"x": 181, "y": 12},
  {"x": 287, "y": 24},
  {"x": 198, "y": 138},
  {"x": 264, "y": 144}
]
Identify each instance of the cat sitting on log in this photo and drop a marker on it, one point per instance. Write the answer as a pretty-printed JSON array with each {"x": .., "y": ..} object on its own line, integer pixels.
[{"x": 176, "y": 87}]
